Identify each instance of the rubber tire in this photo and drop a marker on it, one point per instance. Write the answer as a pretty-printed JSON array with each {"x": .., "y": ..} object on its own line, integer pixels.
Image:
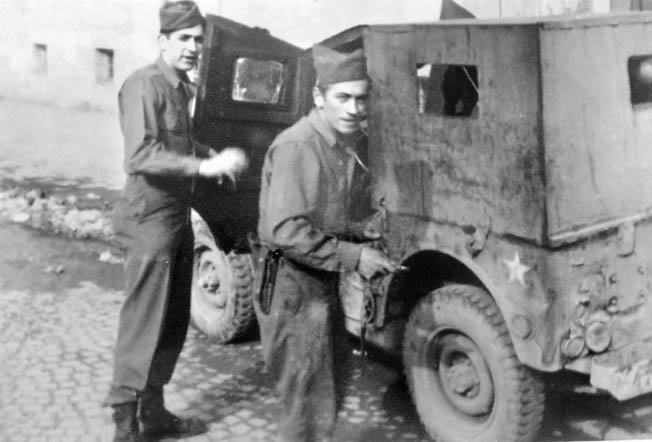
[
  {"x": 518, "y": 392},
  {"x": 236, "y": 319}
]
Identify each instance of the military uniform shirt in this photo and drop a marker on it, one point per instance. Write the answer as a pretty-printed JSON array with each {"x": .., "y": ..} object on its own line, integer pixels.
[
  {"x": 159, "y": 152},
  {"x": 304, "y": 196}
]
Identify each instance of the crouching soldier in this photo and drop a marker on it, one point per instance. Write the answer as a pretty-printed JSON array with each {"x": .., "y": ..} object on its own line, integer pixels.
[{"x": 303, "y": 220}]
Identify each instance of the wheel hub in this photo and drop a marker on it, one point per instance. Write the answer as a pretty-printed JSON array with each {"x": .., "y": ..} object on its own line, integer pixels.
[
  {"x": 464, "y": 375},
  {"x": 211, "y": 278}
]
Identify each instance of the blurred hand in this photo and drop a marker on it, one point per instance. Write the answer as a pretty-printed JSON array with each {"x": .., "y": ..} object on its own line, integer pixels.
[
  {"x": 374, "y": 262},
  {"x": 373, "y": 226},
  {"x": 228, "y": 162}
]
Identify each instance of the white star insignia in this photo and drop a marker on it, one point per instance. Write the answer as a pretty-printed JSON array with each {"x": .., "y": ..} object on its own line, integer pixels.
[{"x": 517, "y": 270}]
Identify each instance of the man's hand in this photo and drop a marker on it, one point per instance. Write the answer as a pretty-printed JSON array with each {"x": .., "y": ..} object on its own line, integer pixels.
[
  {"x": 373, "y": 262},
  {"x": 228, "y": 162},
  {"x": 373, "y": 226}
]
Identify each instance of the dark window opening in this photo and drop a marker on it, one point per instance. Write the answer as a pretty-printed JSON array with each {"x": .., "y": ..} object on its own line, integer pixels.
[
  {"x": 639, "y": 68},
  {"x": 103, "y": 65},
  {"x": 40, "y": 58},
  {"x": 448, "y": 89},
  {"x": 641, "y": 5},
  {"x": 257, "y": 81}
]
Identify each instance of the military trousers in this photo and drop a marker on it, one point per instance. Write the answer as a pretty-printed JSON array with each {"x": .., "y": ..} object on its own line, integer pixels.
[
  {"x": 155, "y": 314},
  {"x": 306, "y": 351}
]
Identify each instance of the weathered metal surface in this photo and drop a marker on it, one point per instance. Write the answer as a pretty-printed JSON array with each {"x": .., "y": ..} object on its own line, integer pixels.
[
  {"x": 538, "y": 166},
  {"x": 626, "y": 373},
  {"x": 597, "y": 149},
  {"x": 459, "y": 171}
]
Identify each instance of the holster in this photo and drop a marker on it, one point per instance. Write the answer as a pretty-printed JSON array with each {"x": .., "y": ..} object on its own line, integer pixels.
[{"x": 268, "y": 282}]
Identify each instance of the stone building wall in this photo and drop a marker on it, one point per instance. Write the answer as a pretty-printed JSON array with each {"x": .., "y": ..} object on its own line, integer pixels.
[{"x": 76, "y": 53}]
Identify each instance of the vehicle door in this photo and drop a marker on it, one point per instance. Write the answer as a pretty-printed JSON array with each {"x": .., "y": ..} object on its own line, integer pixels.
[{"x": 251, "y": 87}]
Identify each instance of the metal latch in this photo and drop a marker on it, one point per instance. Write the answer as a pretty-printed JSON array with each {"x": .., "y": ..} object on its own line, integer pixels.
[
  {"x": 626, "y": 238},
  {"x": 478, "y": 235}
]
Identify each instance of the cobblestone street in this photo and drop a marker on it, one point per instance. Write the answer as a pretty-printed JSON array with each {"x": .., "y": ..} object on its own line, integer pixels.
[
  {"x": 56, "y": 347},
  {"x": 57, "y": 353}
]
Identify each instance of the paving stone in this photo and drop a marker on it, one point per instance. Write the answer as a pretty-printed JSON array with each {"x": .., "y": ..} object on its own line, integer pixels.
[
  {"x": 231, "y": 420},
  {"x": 240, "y": 429},
  {"x": 259, "y": 434},
  {"x": 244, "y": 414},
  {"x": 257, "y": 422},
  {"x": 220, "y": 435}
]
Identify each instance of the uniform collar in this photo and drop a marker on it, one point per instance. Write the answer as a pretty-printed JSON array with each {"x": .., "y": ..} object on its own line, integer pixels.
[
  {"x": 172, "y": 75},
  {"x": 322, "y": 127}
]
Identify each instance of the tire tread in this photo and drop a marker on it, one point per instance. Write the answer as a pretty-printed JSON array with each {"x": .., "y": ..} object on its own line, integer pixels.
[{"x": 525, "y": 403}]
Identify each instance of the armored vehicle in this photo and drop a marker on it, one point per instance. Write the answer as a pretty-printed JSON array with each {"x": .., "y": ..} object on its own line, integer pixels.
[{"x": 510, "y": 164}]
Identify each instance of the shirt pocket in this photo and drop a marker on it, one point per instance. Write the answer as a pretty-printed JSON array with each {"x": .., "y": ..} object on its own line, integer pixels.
[{"x": 175, "y": 119}]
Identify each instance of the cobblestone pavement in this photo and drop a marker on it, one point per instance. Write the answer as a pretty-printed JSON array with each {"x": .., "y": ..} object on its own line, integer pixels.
[{"x": 56, "y": 353}]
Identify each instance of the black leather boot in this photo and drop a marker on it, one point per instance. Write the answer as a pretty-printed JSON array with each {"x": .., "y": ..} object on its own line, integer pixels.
[
  {"x": 157, "y": 421},
  {"x": 126, "y": 423}
]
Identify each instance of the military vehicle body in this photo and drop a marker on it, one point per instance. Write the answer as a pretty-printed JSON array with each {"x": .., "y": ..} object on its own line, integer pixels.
[{"x": 510, "y": 164}]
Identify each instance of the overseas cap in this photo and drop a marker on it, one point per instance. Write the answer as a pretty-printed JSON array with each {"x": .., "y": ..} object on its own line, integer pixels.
[
  {"x": 179, "y": 15},
  {"x": 337, "y": 67}
]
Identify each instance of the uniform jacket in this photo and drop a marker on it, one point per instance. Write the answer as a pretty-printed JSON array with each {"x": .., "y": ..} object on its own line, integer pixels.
[
  {"x": 304, "y": 196},
  {"x": 160, "y": 156}
]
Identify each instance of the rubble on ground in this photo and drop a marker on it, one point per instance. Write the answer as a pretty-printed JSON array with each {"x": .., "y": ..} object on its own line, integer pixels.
[
  {"x": 109, "y": 257},
  {"x": 56, "y": 214}
]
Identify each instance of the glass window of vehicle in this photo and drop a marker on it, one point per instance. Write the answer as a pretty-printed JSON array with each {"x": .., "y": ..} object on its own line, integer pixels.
[{"x": 257, "y": 81}]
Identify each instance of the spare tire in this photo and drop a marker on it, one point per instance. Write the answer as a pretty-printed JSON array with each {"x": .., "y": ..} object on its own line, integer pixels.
[{"x": 222, "y": 288}]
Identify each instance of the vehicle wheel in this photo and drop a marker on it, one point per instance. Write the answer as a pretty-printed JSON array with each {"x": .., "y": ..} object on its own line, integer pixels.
[
  {"x": 222, "y": 289},
  {"x": 466, "y": 381}
]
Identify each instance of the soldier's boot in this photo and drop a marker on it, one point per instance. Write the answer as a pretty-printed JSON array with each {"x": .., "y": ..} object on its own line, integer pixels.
[
  {"x": 157, "y": 421},
  {"x": 126, "y": 423}
]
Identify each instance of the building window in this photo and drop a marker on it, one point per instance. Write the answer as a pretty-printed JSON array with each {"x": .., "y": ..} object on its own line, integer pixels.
[
  {"x": 103, "y": 65},
  {"x": 40, "y": 58},
  {"x": 448, "y": 89}
]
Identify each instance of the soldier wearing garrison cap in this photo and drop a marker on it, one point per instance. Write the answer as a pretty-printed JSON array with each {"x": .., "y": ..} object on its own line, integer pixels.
[
  {"x": 153, "y": 216},
  {"x": 179, "y": 15},
  {"x": 309, "y": 237}
]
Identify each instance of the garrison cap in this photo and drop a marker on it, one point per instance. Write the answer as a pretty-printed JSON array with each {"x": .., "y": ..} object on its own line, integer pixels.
[
  {"x": 337, "y": 67},
  {"x": 177, "y": 15}
]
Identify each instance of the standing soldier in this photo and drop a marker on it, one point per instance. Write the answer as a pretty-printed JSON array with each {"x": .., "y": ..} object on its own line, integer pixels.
[
  {"x": 303, "y": 220},
  {"x": 154, "y": 217}
]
